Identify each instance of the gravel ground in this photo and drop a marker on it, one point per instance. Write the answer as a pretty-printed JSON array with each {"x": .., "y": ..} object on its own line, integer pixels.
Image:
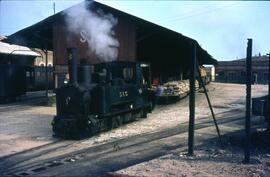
[
  {"x": 225, "y": 97},
  {"x": 22, "y": 129},
  {"x": 210, "y": 160}
]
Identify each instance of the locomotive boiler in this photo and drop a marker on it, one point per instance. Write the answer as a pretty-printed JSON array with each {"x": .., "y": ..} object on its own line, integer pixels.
[{"x": 101, "y": 97}]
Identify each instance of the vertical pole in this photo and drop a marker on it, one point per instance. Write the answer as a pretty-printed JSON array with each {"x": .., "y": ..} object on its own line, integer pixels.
[
  {"x": 248, "y": 100},
  {"x": 54, "y": 8},
  {"x": 150, "y": 76},
  {"x": 268, "y": 103},
  {"x": 192, "y": 78},
  {"x": 46, "y": 72}
]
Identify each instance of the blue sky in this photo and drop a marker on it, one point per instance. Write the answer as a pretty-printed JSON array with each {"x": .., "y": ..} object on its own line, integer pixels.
[{"x": 222, "y": 28}]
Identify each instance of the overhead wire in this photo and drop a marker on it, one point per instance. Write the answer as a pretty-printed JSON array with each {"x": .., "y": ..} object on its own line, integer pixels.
[{"x": 198, "y": 12}]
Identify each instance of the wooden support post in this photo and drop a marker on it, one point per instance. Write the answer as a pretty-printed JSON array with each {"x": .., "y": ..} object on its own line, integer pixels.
[
  {"x": 46, "y": 72},
  {"x": 248, "y": 101},
  {"x": 192, "y": 78},
  {"x": 268, "y": 106},
  {"x": 268, "y": 101}
]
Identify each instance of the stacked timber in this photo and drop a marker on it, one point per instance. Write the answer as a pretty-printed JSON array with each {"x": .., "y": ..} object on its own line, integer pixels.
[{"x": 177, "y": 88}]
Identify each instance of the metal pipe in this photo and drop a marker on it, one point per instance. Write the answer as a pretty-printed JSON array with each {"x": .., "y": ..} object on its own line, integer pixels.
[
  {"x": 72, "y": 65},
  {"x": 192, "y": 101},
  {"x": 248, "y": 100}
]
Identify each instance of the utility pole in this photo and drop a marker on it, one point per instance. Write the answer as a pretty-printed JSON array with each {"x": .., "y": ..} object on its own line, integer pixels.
[
  {"x": 53, "y": 8},
  {"x": 248, "y": 100},
  {"x": 268, "y": 103},
  {"x": 46, "y": 72},
  {"x": 192, "y": 78}
]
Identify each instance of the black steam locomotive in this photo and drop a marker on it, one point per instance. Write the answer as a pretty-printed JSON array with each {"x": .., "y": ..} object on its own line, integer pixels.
[{"x": 101, "y": 97}]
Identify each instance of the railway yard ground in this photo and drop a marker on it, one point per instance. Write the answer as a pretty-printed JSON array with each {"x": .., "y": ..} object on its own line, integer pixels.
[{"x": 155, "y": 146}]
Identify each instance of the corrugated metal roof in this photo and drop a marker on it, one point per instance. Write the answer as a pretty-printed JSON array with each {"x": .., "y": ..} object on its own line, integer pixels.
[{"x": 6, "y": 48}]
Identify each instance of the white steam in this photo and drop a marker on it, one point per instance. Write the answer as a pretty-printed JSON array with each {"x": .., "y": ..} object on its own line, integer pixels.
[{"x": 94, "y": 28}]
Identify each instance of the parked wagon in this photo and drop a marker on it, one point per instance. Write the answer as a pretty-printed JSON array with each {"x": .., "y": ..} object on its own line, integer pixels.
[
  {"x": 36, "y": 78},
  {"x": 16, "y": 80},
  {"x": 12, "y": 81}
]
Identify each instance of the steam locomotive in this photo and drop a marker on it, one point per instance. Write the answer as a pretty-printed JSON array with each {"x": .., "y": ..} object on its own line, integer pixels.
[{"x": 101, "y": 97}]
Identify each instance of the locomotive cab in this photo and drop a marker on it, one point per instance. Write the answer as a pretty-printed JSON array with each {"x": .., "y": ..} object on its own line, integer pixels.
[{"x": 121, "y": 90}]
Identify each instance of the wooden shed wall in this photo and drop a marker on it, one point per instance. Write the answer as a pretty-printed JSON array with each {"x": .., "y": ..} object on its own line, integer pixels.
[{"x": 62, "y": 39}]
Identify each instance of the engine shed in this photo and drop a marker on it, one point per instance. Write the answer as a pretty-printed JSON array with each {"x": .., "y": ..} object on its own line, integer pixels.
[{"x": 167, "y": 51}]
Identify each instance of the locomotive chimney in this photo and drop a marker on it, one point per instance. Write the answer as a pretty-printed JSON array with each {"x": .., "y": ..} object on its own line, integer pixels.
[{"x": 72, "y": 65}]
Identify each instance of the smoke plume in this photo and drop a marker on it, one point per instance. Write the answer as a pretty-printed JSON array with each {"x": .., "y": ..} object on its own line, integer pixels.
[{"x": 94, "y": 28}]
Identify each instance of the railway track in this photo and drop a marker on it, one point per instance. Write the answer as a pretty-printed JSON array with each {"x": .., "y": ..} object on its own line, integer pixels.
[{"x": 102, "y": 158}]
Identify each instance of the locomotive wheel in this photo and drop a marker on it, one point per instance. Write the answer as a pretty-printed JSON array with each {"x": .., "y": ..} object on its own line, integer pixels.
[
  {"x": 127, "y": 117},
  {"x": 119, "y": 120},
  {"x": 143, "y": 113},
  {"x": 116, "y": 121},
  {"x": 104, "y": 125},
  {"x": 55, "y": 128},
  {"x": 92, "y": 126},
  {"x": 151, "y": 106}
]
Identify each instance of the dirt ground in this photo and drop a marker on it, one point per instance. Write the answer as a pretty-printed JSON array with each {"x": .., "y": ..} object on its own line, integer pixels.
[
  {"x": 209, "y": 160},
  {"x": 26, "y": 127}
]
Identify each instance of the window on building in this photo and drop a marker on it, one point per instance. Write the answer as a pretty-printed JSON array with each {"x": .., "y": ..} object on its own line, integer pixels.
[
  {"x": 220, "y": 75},
  {"x": 232, "y": 76},
  {"x": 255, "y": 77}
]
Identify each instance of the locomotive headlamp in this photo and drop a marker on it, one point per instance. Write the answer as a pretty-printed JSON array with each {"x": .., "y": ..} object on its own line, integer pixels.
[
  {"x": 131, "y": 106},
  {"x": 89, "y": 122}
]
